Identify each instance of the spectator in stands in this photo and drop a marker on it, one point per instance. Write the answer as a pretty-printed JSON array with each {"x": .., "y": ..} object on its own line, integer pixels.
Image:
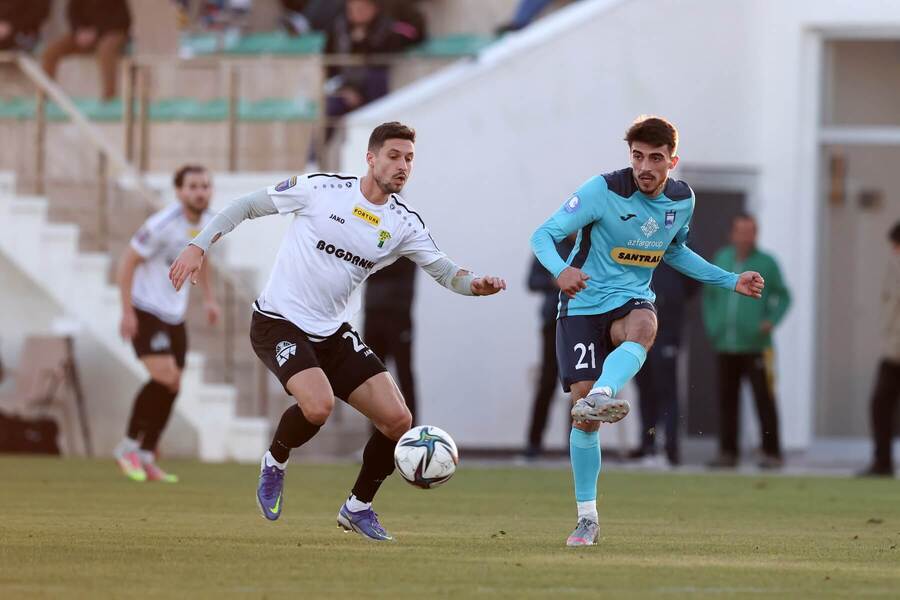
[
  {"x": 887, "y": 384},
  {"x": 20, "y": 23},
  {"x": 99, "y": 26},
  {"x": 303, "y": 16},
  {"x": 740, "y": 330},
  {"x": 525, "y": 13},
  {"x": 365, "y": 28}
]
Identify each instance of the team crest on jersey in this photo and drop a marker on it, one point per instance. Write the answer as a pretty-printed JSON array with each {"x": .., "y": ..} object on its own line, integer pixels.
[
  {"x": 369, "y": 217},
  {"x": 142, "y": 235},
  {"x": 283, "y": 351},
  {"x": 670, "y": 219},
  {"x": 650, "y": 227},
  {"x": 572, "y": 204},
  {"x": 383, "y": 236},
  {"x": 286, "y": 184},
  {"x": 159, "y": 342}
]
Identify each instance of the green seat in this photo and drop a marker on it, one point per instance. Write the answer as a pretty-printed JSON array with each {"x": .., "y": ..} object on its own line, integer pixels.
[
  {"x": 16, "y": 108},
  {"x": 455, "y": 45},
  {"x": 198, "y": 44},
  {"x": 278, "y": 109},
  {"x": 277, "y": 42},
  {"x": 169, "y": 110}
]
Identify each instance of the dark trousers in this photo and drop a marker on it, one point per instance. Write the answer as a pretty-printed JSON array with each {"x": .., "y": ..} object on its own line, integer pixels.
[
  {"x": 884, "y": 401},
  {"x": 389, "y": 335},
  {"x": 108, "y": 47},
  {"x": 546, "y": 387},
  {"x": 657, "y": 383},
  {"x": 733, "y": 368}
]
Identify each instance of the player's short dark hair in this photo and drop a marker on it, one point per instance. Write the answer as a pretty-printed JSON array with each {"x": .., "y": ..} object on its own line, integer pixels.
[
  {"x": 390, "y": 131},
  {"x": 894, "y": 233},
  {"x": 184, "y": 171},
  {"x": 742, "y": 216},
  {"x": 653, "y": 130}
]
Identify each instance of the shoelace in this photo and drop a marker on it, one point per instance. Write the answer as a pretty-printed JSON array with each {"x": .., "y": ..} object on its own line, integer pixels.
[
  {"x": 271, "y": 483},
  {"x": 376, "y": 525}
]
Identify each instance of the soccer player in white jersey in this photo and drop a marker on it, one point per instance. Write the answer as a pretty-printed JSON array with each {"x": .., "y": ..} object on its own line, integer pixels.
[
  {"x": 344, "y": 228},
  {"x": 153, "y": 317}
]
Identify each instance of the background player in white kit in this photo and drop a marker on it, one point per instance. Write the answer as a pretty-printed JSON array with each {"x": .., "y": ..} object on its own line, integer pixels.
[
  {"x": 345, "y": 228},
  {"x": 153, "y": 316}
]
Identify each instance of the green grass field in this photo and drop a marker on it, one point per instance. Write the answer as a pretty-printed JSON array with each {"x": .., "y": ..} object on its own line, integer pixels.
[{"x": 71, "y": 528}]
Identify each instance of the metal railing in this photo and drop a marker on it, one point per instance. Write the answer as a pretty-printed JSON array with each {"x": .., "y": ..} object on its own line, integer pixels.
[
  {"x": 114, "y": 166},
  {"x": 138, "y": 74}
]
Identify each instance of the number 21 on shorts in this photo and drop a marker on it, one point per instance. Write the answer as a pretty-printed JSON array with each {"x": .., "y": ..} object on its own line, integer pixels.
[{"x": 583, "y": 351}]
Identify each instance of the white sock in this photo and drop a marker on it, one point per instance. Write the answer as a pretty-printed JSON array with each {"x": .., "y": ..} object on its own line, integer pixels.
[
  {"x": 354, "y": 505},
  {"x": 269, "y": 461},
  {"x": 588, "y": 509},
  {"x": 127, "y": 445},
  {"x": 146, "y": 456}
]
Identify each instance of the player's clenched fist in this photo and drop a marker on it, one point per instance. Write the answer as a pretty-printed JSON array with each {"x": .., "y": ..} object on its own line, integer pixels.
[
  {"x": 186, "y": 265},
  {"x": 572, "y": 280},
  {"x": 750, "y": 284}
]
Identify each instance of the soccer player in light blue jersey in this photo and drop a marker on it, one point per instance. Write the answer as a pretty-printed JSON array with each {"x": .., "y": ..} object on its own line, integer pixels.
[{"x": 627, "y": 221}]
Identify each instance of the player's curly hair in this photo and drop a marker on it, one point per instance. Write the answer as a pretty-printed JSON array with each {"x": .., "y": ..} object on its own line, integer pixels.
[
  {"x": 390, "y": 131},
  {"x": 653, "y": 130},
  {"x": 184, "y": 171}
]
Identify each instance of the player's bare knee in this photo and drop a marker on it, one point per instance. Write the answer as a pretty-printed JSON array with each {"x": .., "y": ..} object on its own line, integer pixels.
[
  {"x": 316, "y": 407},
  {"x": 643, "y": 330},
  {"x": 397, "y": 424},
  {"x": 171, "y": 380}
]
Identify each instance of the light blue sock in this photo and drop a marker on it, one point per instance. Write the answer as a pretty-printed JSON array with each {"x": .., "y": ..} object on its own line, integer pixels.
[
  {"x": 621, "y": 365},
  {"x": 584, "y": 451}
]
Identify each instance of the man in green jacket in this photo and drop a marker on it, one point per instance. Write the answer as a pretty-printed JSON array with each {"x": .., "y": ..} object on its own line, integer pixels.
[{"x": 740, "y": 330}]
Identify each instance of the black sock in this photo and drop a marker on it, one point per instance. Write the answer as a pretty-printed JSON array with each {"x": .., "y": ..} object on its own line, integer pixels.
[
  {"x": 158, "y": 417},
  {"x": 293, "y": 431},
  {"x": 378, "y": 463},
  {"x": 142, "y": 410}
]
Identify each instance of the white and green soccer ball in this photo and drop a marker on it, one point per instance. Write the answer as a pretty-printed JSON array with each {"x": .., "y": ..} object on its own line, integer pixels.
[{"x": 426, "y": 456}]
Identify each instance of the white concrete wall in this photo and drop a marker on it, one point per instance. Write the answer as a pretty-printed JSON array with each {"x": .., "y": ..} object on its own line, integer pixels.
[
  {"x": 503, "y": 141},
  {"x": 107, "y": 400}
]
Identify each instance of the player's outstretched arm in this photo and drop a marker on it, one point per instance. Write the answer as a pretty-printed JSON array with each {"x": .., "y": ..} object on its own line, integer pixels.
[
  {"x": 188, "y": 263},
  {"x": 689, "y": 263},
  {"x": 464, "y": 282}
]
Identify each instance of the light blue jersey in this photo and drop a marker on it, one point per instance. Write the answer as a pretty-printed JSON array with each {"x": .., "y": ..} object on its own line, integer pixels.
[{"x": 622, "y": 236}]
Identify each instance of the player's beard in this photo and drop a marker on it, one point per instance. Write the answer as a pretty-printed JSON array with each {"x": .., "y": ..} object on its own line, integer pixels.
[
  {"x": 195, "y": 210},
  {"x": 654, "y": 191},
  {"x": 389, "y": 186}
]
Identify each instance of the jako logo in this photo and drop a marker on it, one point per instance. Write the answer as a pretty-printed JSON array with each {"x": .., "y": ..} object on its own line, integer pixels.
[
  {"x": 334, "y": 217},
  {"x": 345, "y": 255}
]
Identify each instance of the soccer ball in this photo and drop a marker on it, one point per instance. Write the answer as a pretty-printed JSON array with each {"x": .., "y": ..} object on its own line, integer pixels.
[{"x": 426, "y": 456}]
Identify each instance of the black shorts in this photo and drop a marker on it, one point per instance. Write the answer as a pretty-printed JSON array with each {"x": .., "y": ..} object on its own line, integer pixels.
[
  {"x": 155, "y": 336},
  {"x": 583, "y": 342},
  {"x": 286, "y": 350}
]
